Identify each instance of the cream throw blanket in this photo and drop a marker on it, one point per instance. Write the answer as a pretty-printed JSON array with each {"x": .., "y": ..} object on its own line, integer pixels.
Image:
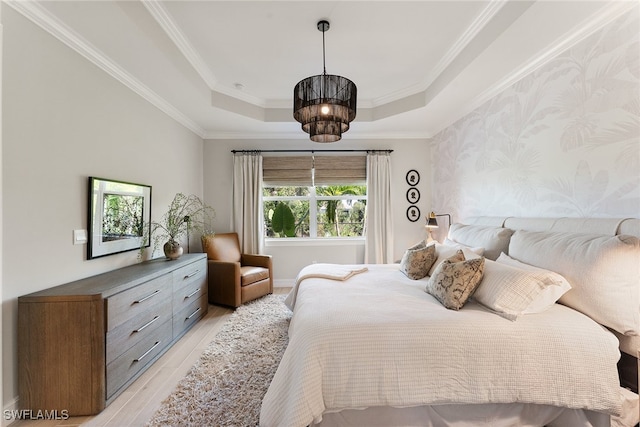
[{"x": 323, "y": 271}]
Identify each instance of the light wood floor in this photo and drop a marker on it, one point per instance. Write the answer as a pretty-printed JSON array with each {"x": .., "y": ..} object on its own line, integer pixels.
[{"x": 137, "y": 404}]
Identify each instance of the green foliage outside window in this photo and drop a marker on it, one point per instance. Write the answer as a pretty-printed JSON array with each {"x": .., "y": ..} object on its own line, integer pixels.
[
  {"x": 275, "y": 227},
  {"x": 339, "y": 211},
  {"x": 340, "y": 217},
  {"x": 282, "y": 220}
]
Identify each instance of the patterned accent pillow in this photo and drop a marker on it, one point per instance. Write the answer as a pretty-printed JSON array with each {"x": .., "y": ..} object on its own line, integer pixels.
[
  {"x": 452, "y": 283},
  {"x": 417, "y": 260}
]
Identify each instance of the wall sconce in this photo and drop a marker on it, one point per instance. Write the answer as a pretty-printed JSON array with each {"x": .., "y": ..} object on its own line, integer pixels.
[{"x": 432, "y": 223}]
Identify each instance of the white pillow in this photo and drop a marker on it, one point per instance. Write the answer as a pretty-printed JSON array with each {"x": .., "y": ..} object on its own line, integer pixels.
[
  {"x": 512, "y": 292},
  {"x": 603, "y": 271},
  {"x": 447, "y": 241},
  {"x": 557, "y": 285},
  {"x": 446, "y": 251},
  {"x": 493, "y": 239}
]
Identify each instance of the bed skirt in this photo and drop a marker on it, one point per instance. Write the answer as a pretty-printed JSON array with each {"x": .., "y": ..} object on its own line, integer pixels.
[{"x": 493, "y": 415}]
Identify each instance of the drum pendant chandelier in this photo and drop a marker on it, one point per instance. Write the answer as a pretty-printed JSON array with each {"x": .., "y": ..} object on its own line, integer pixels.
[{"x": 325, "y": 104}]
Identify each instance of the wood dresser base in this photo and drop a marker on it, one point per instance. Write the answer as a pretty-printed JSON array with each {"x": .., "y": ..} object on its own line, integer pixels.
[{"x": 81, "y": 344}]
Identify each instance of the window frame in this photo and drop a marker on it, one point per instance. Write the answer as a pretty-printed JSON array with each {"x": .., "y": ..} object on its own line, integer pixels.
[{"x": 313, "y": 200}]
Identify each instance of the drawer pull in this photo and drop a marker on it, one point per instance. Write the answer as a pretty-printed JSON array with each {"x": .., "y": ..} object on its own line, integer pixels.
[
  {"x": 147, "y": 352},
  {"x": 193, "y": 314},
  {"x": 141, "y": 328},
  {"x": 191, "y": 275},
  {"x": 147, "y": 297},
  {"x": 192, "y": 293}
]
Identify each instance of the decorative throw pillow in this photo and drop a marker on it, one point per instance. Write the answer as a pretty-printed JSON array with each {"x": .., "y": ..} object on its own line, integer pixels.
[
  {"x": 555, "y": 285},
  {"x": 452, "y": 283},
  {"x": 417, "y": 260},
  {"x": 512, "y": 291}
]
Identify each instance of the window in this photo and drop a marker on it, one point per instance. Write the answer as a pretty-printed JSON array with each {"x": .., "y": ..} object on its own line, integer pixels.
[{"x": 314, "y": 197}]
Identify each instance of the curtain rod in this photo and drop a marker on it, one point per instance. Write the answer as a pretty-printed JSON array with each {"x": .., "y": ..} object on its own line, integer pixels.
[{"x": 311, "y": 151}]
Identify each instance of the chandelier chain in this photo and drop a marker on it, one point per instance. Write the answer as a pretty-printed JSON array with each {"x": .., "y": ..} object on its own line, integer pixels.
[{"x": 324, "y": 66}]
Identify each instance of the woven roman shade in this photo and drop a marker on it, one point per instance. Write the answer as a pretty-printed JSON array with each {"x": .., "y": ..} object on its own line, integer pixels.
[
  {"x": 340, "y": 170},
  {"x": 327, "y": 170},
  {"x": 289, "y": 171}
]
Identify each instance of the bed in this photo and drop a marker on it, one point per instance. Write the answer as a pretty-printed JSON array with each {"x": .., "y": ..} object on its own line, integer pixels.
[{"x": 368, "y": 346}]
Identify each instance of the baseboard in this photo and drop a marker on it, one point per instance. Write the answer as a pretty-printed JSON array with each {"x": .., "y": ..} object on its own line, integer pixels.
[
  {"x": 284, "y": 283},
  {"x": 8, "y": 411}
]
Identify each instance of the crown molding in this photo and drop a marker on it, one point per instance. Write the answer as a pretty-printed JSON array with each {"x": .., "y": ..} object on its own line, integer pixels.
[
  {"x": 301, "y": 136},
  {"x": 242, "y": 96},
  {"x": 39, "y": 15},
  {"x": 173, "y": 31},
  {"x": 168, "y": 25},
  {"x": 45, "y": 20},
  {"x": 598, "y": 20},
  {"x": 485, "y": 16}
]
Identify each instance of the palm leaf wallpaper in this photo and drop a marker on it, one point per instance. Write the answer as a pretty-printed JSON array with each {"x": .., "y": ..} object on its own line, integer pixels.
[{"x": 563, "y": 141}]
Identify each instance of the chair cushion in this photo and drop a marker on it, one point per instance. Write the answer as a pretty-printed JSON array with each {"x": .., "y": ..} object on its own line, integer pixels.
[{"x": 250, "y": 274}]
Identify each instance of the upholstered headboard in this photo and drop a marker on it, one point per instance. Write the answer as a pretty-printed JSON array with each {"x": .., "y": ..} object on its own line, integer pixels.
[
  {"x": 629, "y": 344},
  {"x": 607, "y": 226}
]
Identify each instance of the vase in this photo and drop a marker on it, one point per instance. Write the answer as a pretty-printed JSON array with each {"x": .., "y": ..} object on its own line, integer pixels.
[{"x": 172, "y": 249}]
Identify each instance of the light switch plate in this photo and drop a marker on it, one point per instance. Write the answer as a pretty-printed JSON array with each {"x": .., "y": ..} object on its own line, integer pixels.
[{"x": 79, "y": 237}]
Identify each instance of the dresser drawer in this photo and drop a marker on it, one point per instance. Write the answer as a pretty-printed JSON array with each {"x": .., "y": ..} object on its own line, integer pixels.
[
  {"x": 188, "y": 290},
  {"x": 189, "y": 315},
  {"x": 127, "y": 334},
  {"x": 137, "y": 357},
  {"x": 128, "y": 304},
  {"x": 191, "y": 275}
]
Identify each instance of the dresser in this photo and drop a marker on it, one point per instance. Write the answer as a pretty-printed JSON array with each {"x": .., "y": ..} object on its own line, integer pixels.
[{"x": 82, "y": 343}]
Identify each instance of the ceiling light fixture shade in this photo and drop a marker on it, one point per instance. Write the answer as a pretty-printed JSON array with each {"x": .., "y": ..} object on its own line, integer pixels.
[{"x": 325, "y": 104}]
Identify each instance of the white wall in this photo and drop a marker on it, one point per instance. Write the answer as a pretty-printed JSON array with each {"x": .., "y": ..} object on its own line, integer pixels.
[
  {"x": 289, "y": 259},
  {"x": 1, "y": 234},
  {"x": 64, "y": 120},
  {"x": 564, "y": 141}
]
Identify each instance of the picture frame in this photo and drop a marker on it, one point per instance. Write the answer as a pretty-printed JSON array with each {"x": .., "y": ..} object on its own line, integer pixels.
[
  {"x": 413, "y": 177},
  {"x": 118, "y": 214},
  {"x": 413, "y": 195},
  {"x": 413, "y": 213}
]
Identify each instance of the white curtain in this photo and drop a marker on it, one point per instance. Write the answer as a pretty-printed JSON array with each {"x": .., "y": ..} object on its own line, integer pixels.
[
  {"x": 246, "y": 215},
  {"x": 378, "y": 222}
]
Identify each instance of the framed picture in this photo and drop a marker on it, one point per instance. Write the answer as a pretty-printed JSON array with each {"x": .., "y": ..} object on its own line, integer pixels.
[
  {"x": 413, "y": 213},
  {"x": 118, "y": 214},
  {"x": 413, "y": 195},
  {"x": 413, "y": 177}
]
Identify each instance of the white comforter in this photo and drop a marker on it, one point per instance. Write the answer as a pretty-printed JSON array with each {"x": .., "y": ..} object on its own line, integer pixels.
[{"x": 377, "y": 339}]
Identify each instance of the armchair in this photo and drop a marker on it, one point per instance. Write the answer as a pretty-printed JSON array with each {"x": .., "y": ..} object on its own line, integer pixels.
[{"x": 235, "y": 278}]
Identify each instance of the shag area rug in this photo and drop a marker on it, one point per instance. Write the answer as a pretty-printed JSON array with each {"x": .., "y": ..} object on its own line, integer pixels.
[{"x": 226, "y": 386}]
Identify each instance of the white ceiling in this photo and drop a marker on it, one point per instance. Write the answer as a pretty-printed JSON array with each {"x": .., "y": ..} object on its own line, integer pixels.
[{"x": 226, "y": 69}]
